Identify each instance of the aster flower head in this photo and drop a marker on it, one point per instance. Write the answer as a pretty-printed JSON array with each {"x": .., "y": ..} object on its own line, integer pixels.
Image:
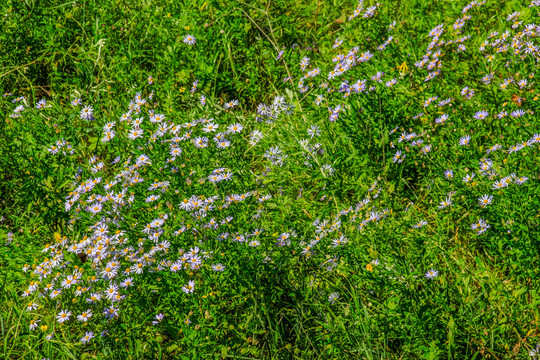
[
  {"x": 231, "y": 104},
  {"x": 481, "y": 115},
  {"x": 485, "y": 200},
  {"x": 63, "y": 316},
  {"x": 432, "y": 274},
  {"x": 189, "y": 39},
  {"x": 41, "y": 104},
  {"x": 87, "y": 337},
  {"x": 465, "y": 140},
  {"x": 34, "y": 324},
  {"x": 159, "y": 317},
  {"x": 87, "y": 113},
  {"x": 85, "y": 316},
  {"x": 189, "y": 288},
  {"x": 419, "y": 224},
  {"x": 333, "y": 297},
  {"x": 218, "y": 267},
  {"x": 446, "y": 203}
]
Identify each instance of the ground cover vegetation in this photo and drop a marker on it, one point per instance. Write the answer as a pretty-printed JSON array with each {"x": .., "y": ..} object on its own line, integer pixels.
[{"x": 274, "y": 180}]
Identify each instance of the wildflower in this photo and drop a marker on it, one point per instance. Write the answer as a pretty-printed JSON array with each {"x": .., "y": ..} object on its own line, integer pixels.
[
  {"x": 63, "y": 316},
  {"x": 398, "y": 157},
  {"x": 194, "y": 86},
  {"x": 41, "y": 104},
  {"x": 143, "y": 160},
  {"x": 66, "y": 284},
  {"x": 481, "y": 115},
  {"x": 481, "y": 226},
  {"x": 328, "y": 169},
  {"x": 467, "y": 178},
  {"x": 231, "y": 104},
  {"x": 85, "y": 316},
  {"x": 377, "y": 77},
  {"x": 304, "y": 63},
  {"x": 419, "y": 224},
  {"x": 340, "y": 241},
  {"x": 535, "y": 139},
  {"x": 521, "y": 180},
  {"x": 313, "y": 131},
  {"x": 218, "y": 267},
  {"x": 135, "y": 133},
  {"x": 522, "y": 83},
  {"x": 517, "y": 113},
  {"x": 110, "y": 312},
  {"x": 188, "y": 289},
  {"x": 159, "y": 318},
  {"x": 441, "y": 119},
  {"x": 157, "y": 118},
  {"x": 487, "y": 79},
  {"x": 505, "y": 83},
  {"x": 391, "y": 83},
  {"x": 485, "y": 200},
  {"x": 95, "y": 297},
  {"x": 431, "y": 274},
  {"x": 515, "y": 148},
  {"x": 87, "y": 337},
  {"x": 426, "y": 149},
  {"x": 255, "y": 137},
  {"x": 333, "y": 297},
  {"x": 494, "y": 148},
  {"x": 465, "y": 140},
  {"x": 175, "y": 151},
  {"x": 177, "y": 266},
  {"x": 95, "y": 208},
  {"x": 34, "y": 324},
  {"x": 111, "y": 291},
  {"x": 445, "y": 203},
  {"x": 108, "y": 136},
  {"x": 449, "y": 174},
  {"x": 189, "y": 39},
  {"x": 210, "y": 127},
  {"x": 535, "y": 351},
  {"x": 87, "y": 113},
  {"x": 235, "y": 128},
  {"x": 76, "y": 102},
  {"x": 498, "y": 185}
]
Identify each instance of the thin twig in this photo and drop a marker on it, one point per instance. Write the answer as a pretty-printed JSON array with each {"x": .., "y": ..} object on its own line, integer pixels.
[{"x": 17, "y": 68}]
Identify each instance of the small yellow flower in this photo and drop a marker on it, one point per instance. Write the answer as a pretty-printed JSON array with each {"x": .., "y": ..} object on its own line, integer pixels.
[{"x": 369, "y": 267}]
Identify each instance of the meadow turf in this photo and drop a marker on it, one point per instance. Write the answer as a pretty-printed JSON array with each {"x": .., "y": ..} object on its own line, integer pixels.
[{"x": 269, "y": 179}]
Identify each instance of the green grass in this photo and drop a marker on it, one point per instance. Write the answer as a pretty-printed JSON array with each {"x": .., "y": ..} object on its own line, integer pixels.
[{"x": 356, "y": 288}]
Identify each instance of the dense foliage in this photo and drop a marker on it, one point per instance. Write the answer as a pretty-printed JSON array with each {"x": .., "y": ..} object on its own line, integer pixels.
[{"x": 269, "y": 180}]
